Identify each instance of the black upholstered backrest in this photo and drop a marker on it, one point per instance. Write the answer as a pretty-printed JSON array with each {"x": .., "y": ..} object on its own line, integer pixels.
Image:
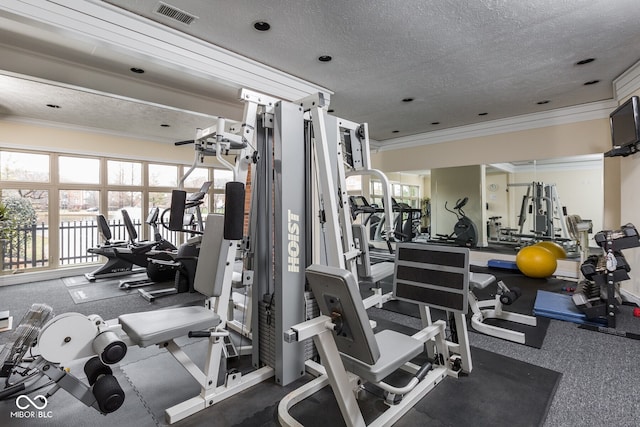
[{"x": 434, "y": 275}]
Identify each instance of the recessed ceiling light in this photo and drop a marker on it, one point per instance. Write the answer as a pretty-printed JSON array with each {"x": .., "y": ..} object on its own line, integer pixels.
[
  {"x": 164, "y": 125},
  {"x": 585, "y": 61},
  {"x": 482, "y": 114},
  {"x": 324, "y": 58},
  {"x": 53, "y": 106},
  {"x": 261, "y": 26},
  {"x": 395, "y": 131},
  {"x": 136, "y": 70},
  {"x": 546, "y": 101},
  {"x": 407, "y": 100},
  {"x": 435, "y": 123},
  {"x": 591, "y": 82}
]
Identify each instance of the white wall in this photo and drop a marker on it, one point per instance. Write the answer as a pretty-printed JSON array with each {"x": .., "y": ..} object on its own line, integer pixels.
[
  {"x": 630, "y": 213},
  {"x": 67, "y": 140},
  {"x": 565, "y": 140},
  {"x": 498, "y": 198},
  {"x": 451, "y": 184}
]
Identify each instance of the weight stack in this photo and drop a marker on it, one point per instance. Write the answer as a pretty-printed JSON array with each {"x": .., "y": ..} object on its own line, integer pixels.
[{"x": 267, "y": 329}]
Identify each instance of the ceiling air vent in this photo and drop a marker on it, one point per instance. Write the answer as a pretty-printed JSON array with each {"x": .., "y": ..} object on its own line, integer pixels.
[{"x": 175, "y": 13}]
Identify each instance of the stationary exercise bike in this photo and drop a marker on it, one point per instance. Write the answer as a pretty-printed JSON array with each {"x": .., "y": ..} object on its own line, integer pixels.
[
  {"x": 114, "y": 266},
  {"x": 465, "y": 232},
  {"x": 141, "y": 253}
]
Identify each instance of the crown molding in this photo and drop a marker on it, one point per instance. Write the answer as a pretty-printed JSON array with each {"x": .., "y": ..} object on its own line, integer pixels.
[
  {"x": 124, "y": 31},
  {"x": 627, "y": 83},
  {"x": 581, "y": 162},
  {"x": 559, "y": 116}
]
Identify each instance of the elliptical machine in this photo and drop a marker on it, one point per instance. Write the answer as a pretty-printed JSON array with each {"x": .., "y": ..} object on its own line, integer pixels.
[{"x": 465, "y": 232}]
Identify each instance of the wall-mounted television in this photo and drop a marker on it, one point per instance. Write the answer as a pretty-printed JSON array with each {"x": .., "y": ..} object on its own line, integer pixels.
[
  {"x": 625, "y": 128},
  {"x": 625, "y": 123}
]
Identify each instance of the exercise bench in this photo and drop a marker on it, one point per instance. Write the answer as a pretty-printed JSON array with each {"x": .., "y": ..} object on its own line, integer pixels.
[
  {"x": 493, "y": 309},
  {"x": 108, "y": 341}
]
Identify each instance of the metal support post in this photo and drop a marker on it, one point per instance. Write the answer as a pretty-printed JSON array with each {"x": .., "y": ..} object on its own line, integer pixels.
[{"x": 289, "y": 230}]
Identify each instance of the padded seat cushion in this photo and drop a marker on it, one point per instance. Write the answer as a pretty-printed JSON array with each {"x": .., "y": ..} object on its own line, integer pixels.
[
  {"x": 480, "y": 280},
  {"x": 154, "y": 327},
  {"x": 381, "y": 270},
  {"x": 396, "y": 349}
]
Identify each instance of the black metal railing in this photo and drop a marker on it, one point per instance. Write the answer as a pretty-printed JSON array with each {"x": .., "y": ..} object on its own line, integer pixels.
[{"x": 26, "y": 248}]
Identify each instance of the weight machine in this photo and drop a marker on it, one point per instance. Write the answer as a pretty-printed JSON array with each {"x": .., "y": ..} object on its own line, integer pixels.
[
  {"x": 342, "y": 334},
  {"x": 222, "y": 242},
  {"x": 274, "y": 248},
  {"x": 341, "y": 150},
  {"x": 542, "y": 211},
  {"x": 353, "y": 355}
]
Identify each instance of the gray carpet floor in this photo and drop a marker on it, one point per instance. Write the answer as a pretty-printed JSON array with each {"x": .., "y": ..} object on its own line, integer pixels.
[
  {"x": 597, "y": 386},
  {"x": 599, "y": 371}
]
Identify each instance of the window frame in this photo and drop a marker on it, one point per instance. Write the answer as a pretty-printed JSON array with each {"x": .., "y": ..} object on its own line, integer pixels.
[{"x": 54, "y": 186}]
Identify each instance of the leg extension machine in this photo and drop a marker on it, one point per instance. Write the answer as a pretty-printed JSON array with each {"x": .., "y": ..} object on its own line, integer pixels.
[{"x": 493, "y": 309}]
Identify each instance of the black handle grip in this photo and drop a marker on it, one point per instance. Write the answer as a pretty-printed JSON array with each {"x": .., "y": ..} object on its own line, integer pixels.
[
  {"x": 423, "y": 371},
  {"x": 199, "y": 334}
]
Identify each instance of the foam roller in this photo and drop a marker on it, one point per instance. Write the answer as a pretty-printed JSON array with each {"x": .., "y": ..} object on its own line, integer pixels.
[
  {"x": 234, "y": 210},
  {"x": 178, "y": 200}
]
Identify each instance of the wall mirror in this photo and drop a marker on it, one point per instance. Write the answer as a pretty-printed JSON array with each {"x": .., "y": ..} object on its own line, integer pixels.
[
  {"x": 503, "y": 200},
  {"x": 517, "y": 198}
]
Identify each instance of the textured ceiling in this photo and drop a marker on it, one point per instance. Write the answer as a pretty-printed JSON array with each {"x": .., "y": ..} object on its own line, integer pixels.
[
  {"x": 159, "y": 122},
  {"x": 455, "y": 59}
]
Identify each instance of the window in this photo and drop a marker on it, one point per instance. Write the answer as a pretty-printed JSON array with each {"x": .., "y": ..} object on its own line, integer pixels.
[
  {"x": 163, "y": 202},
  {"x": 376, "y": 187},
  {"x": 58, "y": 197},
  {"x": 221, "y": 177},
  {"x": 163, "y": 175},
  {"x": 354, "y": 183},
  {"x": 124, "y": 173},
  {"x": 131, "y": 201},
  {"x": 402, "y": 193},
  {"x": 159, "y": 200},
  {"x": 196, "y": 178},
  {"x": 77, "y": 230},
  {"x": 79, "y": 170},
  {"x": 25, "y": 242},
  {"x": 218, "y": 203},
  {"x": 26, "y": 167}
]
